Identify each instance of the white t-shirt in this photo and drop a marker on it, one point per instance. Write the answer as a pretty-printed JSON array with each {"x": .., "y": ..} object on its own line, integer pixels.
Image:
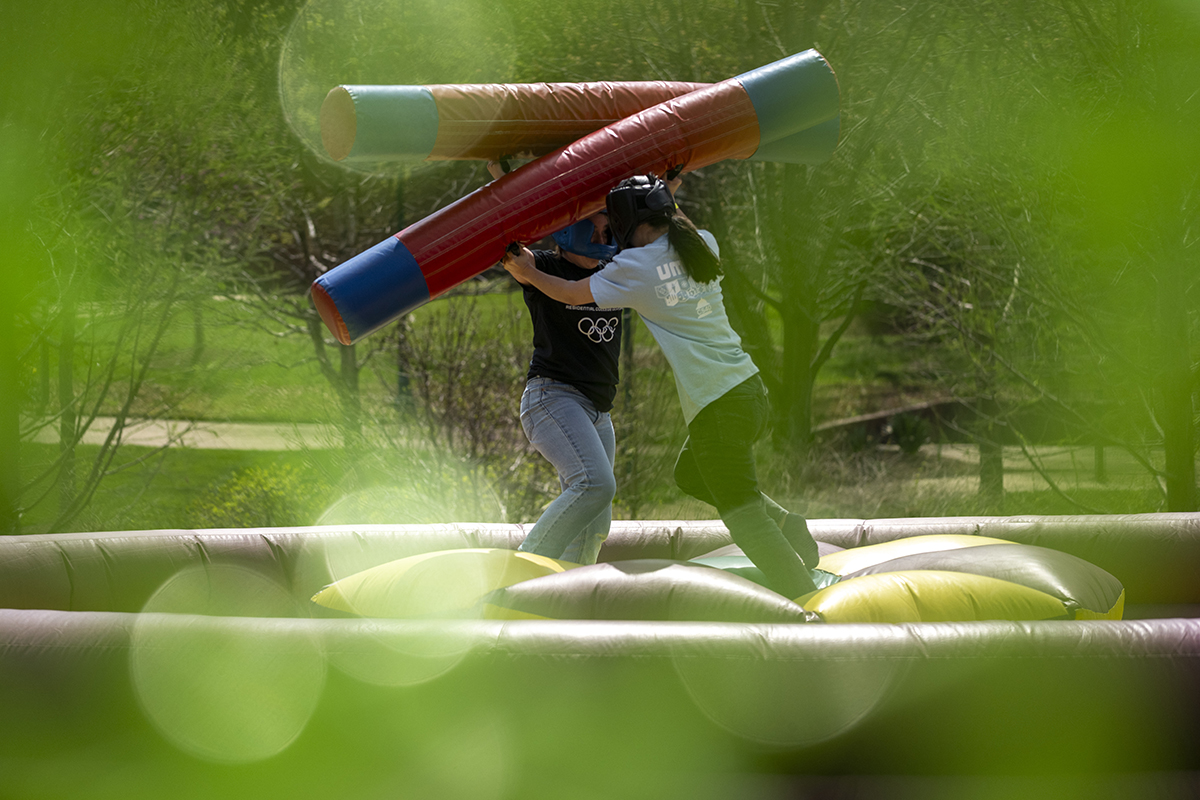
[{"x": 686, "y": 318}]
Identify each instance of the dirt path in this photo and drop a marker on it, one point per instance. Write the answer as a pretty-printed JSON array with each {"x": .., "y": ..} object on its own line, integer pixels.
[
  {"x": 210, "y": 435},
  {"x": 1071, "y": 467}
]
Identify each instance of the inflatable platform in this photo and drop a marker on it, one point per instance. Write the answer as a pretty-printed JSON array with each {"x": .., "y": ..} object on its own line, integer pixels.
[{"x": 1032, "y": 654}]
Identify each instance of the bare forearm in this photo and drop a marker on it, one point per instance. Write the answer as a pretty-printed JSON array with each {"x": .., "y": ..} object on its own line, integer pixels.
[{"x": 573, "y": 293}]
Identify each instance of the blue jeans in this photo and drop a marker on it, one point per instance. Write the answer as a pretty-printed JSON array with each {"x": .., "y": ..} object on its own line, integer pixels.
[{"x": 579, "y": 441}]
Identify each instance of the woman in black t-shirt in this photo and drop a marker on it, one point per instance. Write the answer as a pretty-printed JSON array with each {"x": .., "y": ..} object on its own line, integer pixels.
[{"x": 568, "y": 395}]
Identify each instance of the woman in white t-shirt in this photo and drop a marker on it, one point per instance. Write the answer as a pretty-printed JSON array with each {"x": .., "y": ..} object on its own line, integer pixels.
[{"x": 670, "y": 273}]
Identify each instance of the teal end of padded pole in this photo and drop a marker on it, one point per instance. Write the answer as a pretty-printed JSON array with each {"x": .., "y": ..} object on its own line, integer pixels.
[
  {"x": 812, "y": 146},
  {"x": 791, "y": 95},
  {"x": 393, "y": 122}
]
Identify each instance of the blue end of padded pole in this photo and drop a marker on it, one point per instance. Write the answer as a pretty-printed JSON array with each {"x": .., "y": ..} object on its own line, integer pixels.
[
  {"x": 375, "y": 287},
  {"x": 792, "y": 94},
  {"x": 393, "y": 122}
]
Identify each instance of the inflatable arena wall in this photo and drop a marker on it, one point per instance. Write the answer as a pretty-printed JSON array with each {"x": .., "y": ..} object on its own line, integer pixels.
[{"x": 184, "y": 664}]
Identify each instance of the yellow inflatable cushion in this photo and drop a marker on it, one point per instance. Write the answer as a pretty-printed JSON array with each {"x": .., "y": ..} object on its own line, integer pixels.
[
  {"x": 845, "y": 562},
  {"x": 446, "y": 583},
  {"x": 930, "y": 596},
  {"x": 1116, "y": 612}
]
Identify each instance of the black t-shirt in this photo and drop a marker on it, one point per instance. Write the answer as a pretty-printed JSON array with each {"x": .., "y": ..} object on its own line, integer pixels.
[{"x": 579, "y": 345}]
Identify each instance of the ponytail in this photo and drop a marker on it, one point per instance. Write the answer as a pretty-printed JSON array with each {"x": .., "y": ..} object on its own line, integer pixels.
[{"x": 699, "y": 262}]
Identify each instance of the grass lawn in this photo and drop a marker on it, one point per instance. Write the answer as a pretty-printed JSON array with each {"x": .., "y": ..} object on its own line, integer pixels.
[
  {"x": 247, "y": 373},
  {"x": 163, "y": 491},
  {"x": 248, "y": 370},
  {"x": 181, "y": 487}
]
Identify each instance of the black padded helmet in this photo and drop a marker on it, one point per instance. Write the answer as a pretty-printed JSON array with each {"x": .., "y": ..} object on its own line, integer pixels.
[{"x": 634, "y": 201}]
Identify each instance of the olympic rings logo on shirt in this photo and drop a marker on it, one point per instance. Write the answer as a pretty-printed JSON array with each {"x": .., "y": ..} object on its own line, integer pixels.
[{"x": 599, "y": 330}]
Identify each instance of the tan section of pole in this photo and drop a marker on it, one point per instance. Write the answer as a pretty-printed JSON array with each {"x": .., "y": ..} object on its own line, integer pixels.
[{"x": 339, "y": 123}]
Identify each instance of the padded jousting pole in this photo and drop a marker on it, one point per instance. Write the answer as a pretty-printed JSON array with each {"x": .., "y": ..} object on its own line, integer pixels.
[
  {"x": 477, "y": 121},
  {"x": 732, "y": 119},
  {"x": 373, "y": 124}
]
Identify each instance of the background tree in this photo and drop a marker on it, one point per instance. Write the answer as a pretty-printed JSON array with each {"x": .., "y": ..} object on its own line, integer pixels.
[
  {"x": 1139, "y": 169},
  {"x": 94, "y": 314},
  {"x": 1015, "y": 187},
  {"x": 1044, "y": 166}
]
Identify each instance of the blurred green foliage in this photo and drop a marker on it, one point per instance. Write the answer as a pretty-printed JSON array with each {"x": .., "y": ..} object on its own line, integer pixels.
[
  {"x": 260, "y": 497},
  {"x": 1010, "y": 221}
]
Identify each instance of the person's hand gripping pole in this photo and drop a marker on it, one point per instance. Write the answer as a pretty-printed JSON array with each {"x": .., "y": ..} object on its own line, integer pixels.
[{"x": 518, "y": 260}]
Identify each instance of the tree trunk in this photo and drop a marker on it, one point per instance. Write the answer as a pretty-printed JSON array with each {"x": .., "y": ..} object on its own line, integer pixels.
[
  {"x": 991, "y": 474},
  {"x": 66, "y": 404},
  {"x": 343, "y": 379},
  {"x": 42, "y": 401},
  {"x": 10, "y": 427},
  {"x": 404, "y": 396},
  {"x": 632, "y": 490},
  {"x": 800, "y": 24},
  {"x": 745, "y": 310},
  {"x": 351, "y": 399},
  {"x": 197, "y": 330},
  {"x": 794, "y": 414},
  {"x": 991, "y": 458},
  {"x": 801, "y": 330},
  {"x": 1101, "y": 467},
  {"x": 1178, "y": 420},
  {"x": 627, "y": 371}
]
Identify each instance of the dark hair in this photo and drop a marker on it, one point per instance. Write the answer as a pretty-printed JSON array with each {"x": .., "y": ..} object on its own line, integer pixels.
[{"x": 699, "y": 262}]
